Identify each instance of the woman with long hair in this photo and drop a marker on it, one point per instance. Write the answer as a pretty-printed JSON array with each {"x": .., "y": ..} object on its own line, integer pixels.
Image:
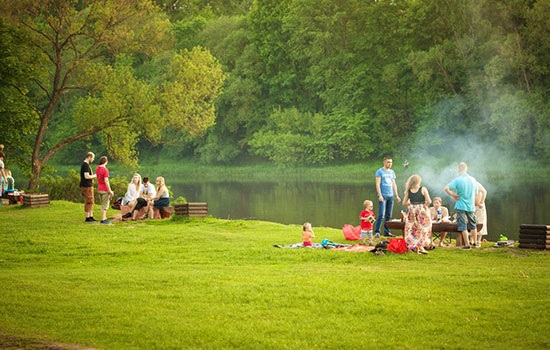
[{"x": 418, "y": 222}]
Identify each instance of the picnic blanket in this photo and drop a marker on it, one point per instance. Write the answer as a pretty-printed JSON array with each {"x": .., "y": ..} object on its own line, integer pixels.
[
  {"x": 325, "y": 244},
  {"x": 378, "y": 249}
]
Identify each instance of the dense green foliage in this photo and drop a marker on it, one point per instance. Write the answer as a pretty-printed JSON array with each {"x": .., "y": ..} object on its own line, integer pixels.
[
  {"x": 220, "y": 284},
  {"x": 368, "y": 78},
  {"x": 103, "y": 71},
  {"x": 310, "y": 82}
]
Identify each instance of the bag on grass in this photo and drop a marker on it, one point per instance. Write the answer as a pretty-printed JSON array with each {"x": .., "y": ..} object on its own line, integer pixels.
[
  {"x": 397, "y": 245},
  {"x": 351, "y": 233},
  {"x": 116, "y": 204}
]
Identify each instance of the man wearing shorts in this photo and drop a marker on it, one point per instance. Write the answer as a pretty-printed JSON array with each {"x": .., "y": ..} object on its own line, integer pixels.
[
  {"x": 104, "y": 188},
  {"x": 464, "y": 189},
  {"x": 87, "y": 186}
]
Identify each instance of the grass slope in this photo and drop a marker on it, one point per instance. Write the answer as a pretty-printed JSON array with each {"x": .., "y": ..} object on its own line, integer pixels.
[{"x": 218, "y": 284}]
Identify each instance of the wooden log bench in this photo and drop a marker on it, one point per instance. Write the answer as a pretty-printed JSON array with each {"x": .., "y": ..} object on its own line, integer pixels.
[
  {"x": 533, "y": 236},
  {"x": 192, "y": 209},
  {"x": 13, "y": 198},
  {"x": 36, "y": 200},
  {"x": 166, "y": 213},
  {"x": 449, "y": 227},
  {"x": 163, "y": 213}
]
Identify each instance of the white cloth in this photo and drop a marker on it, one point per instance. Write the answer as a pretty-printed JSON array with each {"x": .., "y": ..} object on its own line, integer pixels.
[
  {"x": 131, "y": 194},
  {"x": 481, "y": 218}
]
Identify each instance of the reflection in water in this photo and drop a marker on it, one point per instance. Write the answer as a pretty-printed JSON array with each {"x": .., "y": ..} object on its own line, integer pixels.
[{"x": 333, "y": 205}]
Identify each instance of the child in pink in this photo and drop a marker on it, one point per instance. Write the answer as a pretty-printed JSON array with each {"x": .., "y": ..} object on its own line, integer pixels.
[
  {"x": 367, "y": 218},
  {"x": 307, "y": 234}
]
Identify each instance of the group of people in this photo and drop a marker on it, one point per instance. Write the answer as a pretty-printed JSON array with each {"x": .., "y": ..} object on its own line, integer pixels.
[
  {"x": 470, "y": 208},
  {"x": 138, "y": 195},
  {"x": 144, "y": 194}
]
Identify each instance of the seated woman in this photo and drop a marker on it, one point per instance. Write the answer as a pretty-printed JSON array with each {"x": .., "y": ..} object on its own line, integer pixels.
[
  {"x": 132, "y": 194},
  {"x": 440, "y": 214},
  {"x": 161, "y": 200},
  {"x": 146, "y": 191}
]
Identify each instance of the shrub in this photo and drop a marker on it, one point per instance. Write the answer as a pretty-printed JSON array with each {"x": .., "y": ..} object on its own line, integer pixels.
[{"x": 68, "y": 188}]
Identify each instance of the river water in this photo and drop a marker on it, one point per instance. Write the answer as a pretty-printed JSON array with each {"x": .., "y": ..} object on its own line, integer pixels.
[{"x": 335, "y": 204}]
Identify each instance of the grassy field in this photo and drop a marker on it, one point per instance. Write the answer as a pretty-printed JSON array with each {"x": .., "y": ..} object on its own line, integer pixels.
[{"x": 220, "y": 284}]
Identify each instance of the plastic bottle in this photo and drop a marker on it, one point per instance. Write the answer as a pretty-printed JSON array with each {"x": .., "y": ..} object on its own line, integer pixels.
[
  {"x": 439, "y": 214},
  {"x": 503, "y": 238}
]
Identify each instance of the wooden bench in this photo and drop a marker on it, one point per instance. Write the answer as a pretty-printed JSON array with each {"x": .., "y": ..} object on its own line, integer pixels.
[
  {"x": 13, "y": 198},
  {"x": 533, "y": 236},
  {"x": 196, "y": 209},
  {"x": 163, "y": 213},
  {"x": 36, "y": 200},
  {"x": 448, "y": 227},
  {"x": 157, "y": 214}
]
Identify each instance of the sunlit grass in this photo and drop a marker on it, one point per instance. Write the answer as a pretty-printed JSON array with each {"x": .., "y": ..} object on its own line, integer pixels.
[{"x": 215, "y": 284}]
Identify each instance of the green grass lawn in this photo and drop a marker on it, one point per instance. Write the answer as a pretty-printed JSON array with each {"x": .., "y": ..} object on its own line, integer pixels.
[{"x": 220, "y": 284}]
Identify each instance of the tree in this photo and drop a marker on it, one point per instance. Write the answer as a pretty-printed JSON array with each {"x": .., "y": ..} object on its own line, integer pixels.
[
  {"x": 18, "y": 121},
  {"x": 86, "y": 52}
]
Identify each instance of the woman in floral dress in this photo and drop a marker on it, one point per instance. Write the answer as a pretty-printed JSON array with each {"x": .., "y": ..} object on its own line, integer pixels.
[{"x": 418, "y": 222}]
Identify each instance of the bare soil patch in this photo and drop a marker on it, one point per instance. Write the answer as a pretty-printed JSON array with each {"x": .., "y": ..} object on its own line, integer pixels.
[{"x": 9, "y": 342}]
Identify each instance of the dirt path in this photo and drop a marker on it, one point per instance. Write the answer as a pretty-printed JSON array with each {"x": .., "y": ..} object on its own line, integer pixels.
[{"x": 8, "y": 342}]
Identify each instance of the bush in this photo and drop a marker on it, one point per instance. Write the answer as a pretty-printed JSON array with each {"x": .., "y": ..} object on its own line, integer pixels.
[{"x": 68, "y": 188}]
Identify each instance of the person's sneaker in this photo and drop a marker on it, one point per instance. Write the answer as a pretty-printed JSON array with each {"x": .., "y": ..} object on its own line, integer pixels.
[
  {"x": 377, "y": 235},
  {"x": 127, "y": 215},
  {"x": 105, "y": 222},
  {"x": 92, "y": 219},
  {"x": 388, "y": 235},
  {"x": 466, "y": 247},
  {"x": 88, "y": 220}
]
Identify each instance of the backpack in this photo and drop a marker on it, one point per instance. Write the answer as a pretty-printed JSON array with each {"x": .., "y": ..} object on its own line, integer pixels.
[{"x": 117, "y": 203}]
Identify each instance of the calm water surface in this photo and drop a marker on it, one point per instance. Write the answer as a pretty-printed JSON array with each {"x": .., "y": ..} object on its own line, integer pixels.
[{"x": 334, "y": 204}]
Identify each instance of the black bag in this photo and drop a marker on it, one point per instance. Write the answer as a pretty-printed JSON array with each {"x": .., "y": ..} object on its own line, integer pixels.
[{"x": 116, "y": 204}]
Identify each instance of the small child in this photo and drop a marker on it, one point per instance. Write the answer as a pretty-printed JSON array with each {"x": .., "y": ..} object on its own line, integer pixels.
[
  {"x": 307, "y": 234},
  {"x": 367, "y": 218}
]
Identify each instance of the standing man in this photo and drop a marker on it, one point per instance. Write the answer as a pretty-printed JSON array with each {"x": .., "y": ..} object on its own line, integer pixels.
[
  {"x": 87, "y": 186},
  {"x": 464, "y": 189},
  {"x": 386, "y": 188},
  {"x": 104, "y": 188}
]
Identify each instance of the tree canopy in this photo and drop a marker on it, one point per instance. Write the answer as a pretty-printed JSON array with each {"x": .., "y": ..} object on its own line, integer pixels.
[
  {"x": 304, "y": 81},
  {"x": 83, "y": 55}
]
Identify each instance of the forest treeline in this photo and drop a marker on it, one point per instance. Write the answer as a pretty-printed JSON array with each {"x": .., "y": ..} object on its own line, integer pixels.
[{"x": 294, "y": 82}]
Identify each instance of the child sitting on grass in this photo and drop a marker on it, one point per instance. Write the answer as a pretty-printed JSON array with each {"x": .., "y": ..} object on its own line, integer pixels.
[
  {"x": 367, "y": 218},
  {"x": 307, "y": 234}
]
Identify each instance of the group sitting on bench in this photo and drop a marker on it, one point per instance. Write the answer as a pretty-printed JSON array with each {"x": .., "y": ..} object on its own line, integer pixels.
[{"x": 142, "y": 199}]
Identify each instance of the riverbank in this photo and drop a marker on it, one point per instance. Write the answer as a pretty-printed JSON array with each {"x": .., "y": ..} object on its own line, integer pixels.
[
  {"x": 360, "y": 172},
  {"x": 221, "y": 284}
]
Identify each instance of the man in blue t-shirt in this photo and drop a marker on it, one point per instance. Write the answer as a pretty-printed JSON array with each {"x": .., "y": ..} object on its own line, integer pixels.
[
  {"x": 464, "y": 189},
  {"x": 386, "y": 189}
]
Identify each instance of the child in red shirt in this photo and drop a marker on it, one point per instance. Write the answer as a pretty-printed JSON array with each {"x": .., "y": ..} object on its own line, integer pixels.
[{"x": 367, "y": 218}]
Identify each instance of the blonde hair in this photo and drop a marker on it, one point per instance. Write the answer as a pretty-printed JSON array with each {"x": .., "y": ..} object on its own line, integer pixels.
[
  {"x": 412, "y": 181},
  {"x": 138, "y": 185},
  {"x": 306, "y": 226},
  {"x": 367, "y": 203},
  {"x": 161, "y": 179}
]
